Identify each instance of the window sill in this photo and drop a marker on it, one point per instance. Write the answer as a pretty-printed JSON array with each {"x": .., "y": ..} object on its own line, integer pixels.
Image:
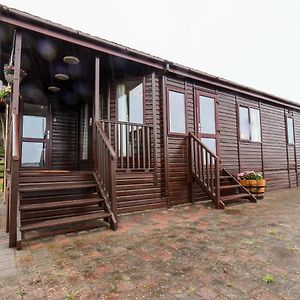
[{"x": 250, "y": 142}]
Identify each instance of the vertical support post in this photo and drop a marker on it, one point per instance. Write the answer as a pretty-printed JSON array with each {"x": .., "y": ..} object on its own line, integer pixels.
[
  {"x": 190, "y": 168},
  {"x": 14, "y": 180},
  {"x": 96, "y": 106},
  {"x": 154, "y": 128},
  {"x": 97, "y": 89},
  {"x": 165, "y": 132},
  {"x": 238, "y": 133},
  {"x": 217, "y": 183}
]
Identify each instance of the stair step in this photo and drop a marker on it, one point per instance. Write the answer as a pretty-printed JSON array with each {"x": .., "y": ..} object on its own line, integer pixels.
[
  {"x": 230, "y": 186},
  {"x": 64, "y": 221},
  {"x": 229, "y": 198},
  {"x": 37, "y": 187},
  {"x": 56, "y": 198},
  {"x": 60, "y": 204},
  {"x": 225, "y": 177}
]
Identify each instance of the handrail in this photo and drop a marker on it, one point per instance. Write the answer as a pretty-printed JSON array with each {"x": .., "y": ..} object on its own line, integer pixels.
[
  {"x": 106, "y": 140},
  {"x": 15, "y": 137},
  {"x": 124, "y": 122},
  {"x": 204, "y": 146},
  {"x": 205, "y": 169},
  {"x": 105, "y": 171},
  {"x": 132, "y": 142}
]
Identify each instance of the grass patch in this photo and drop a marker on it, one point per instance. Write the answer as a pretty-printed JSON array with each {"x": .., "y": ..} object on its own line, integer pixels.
[
  {"x": 72, "y": 295},
  {"x": 294, "y": 248},
  {"x": 268, "y": 278}
]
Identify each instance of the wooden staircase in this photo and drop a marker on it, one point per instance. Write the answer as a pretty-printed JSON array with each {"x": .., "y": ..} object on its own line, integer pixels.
[
  {"x": 231, "y": 190},
  {"x": 51, "y": 199},
  {"x": 219, "y": 185}
]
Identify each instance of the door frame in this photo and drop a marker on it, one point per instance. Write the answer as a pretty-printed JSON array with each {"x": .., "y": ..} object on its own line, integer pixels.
[
  {"x": 198, "y": 133},
  {"x": 47, "y": 141}
]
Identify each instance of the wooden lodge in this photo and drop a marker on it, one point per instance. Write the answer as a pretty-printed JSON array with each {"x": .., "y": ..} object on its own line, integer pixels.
[{"x": 96, "y": 129}]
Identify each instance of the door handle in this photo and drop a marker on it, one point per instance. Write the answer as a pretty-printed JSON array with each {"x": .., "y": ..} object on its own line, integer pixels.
[{"x": 48, "y": 134}]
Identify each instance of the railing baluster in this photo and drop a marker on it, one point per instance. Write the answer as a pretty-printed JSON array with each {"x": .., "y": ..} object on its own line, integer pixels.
[
  {"x": 202, "y": 163},
  {"x": 132, "y": 146},
  {"x": 138, "y": 147},
  {"x": 121, "y": 144},
  {"x": 211, "y": 174},
  {"x": 144, "y": 147},
  {"x": 206, "y": 169},
  {"x": 148, "y": 147},
  {"x": 127, "y": 147}
]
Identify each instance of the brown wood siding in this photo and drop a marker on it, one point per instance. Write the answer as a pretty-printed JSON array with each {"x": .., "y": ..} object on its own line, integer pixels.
[
  {"x": 274, "y": 146},
  {"x": 178, "y": 152},
  {"x": 228, "y": 132},
  {"x": 297, "y": 141},
  {"x": 64, "y": 137},
  {"x": 269, "y": 157},
  {"x": 140, "y": 191}
]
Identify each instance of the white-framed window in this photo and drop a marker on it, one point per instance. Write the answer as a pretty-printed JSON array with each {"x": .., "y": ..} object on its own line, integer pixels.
[
  {"x": 250, "y": 126},
  {"x": 176, "y": 103},
  {"x": 290, "y": 130}
]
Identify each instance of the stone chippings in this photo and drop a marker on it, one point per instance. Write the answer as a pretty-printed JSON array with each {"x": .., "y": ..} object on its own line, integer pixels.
[{"x": 189, "y": 252}]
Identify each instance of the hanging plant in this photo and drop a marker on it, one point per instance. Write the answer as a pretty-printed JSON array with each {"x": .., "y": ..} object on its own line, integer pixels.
[
  {"x": 9, "y": 71},
  {"x": 5, "y": 92}
]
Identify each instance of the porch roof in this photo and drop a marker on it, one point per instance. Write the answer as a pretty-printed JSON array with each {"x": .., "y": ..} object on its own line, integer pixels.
[{"x": 27, "y": 21}]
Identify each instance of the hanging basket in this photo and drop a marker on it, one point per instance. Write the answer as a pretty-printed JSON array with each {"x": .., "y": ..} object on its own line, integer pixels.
[
  {"x": 9, "y": 71},
  {"x": 5, "y": 100},
  {"x": 9, "y": 77}
]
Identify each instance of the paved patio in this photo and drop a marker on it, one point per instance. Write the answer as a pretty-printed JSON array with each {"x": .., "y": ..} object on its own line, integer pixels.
[{"x": 191, "y": 252}]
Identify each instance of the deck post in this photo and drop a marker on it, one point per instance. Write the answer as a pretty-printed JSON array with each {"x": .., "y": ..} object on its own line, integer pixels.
[
  {"x": 15, "y": 161},
  {"x": 96, "y": 107}
]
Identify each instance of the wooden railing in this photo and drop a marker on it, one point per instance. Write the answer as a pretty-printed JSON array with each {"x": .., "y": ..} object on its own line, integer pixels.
[
  {"x": 205, "y": 169},
  {"x": 133, "y": 144},
  {"x": 105, "y": 169}
]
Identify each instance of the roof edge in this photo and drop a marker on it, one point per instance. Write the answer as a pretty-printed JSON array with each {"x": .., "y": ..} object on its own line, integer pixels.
[{"x": 151, "y": 60}]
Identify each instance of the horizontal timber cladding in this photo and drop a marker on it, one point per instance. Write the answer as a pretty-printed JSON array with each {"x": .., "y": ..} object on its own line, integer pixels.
[
  {"x": 137, "y": 191},
  {"x": 64, "y": 137},
  {"x": 144, "y": 190},
  {"x": 273, "y": 157},
  {"x": 228, "y": 132},
  {"x": 177, "y": 150},
  {"x": 274, "y": 146}
]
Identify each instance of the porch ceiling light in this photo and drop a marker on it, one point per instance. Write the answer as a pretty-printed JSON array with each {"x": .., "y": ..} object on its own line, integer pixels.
[
  {"x": 71, "y": 60},
  {"x": 60, "y": 76},
  {"x": 54, "y": 89}
]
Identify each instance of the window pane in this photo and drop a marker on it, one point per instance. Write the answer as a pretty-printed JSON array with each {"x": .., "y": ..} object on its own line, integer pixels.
[
  {"x": 84, "y": 132},
  {"x": 33, "y": 154},
  {"x": 34, "y": 121},
  {"x": 255, "y": 125},
  {"x": 131, "y": 102},
  {"x": 122, "y": 103},
  {"x": 176, "y": 112},
  {"x": 207, "y": 115},
  {"x": 290, "y": 125},
  {"x": 244, "y": 124},
  {"x": 210, "y": 144},
  {"x": 136, "y": 105}
]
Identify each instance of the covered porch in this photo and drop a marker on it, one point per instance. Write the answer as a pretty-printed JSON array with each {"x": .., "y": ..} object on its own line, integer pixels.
[{"x": 78, "y": 118}]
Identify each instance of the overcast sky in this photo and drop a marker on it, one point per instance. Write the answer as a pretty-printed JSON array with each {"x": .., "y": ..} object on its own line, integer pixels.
[{"x": 252, "y": 42}]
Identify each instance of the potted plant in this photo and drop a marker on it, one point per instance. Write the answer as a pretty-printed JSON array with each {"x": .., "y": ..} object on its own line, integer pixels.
[
  {"x": 9, "y": 71},
  {"x": 5, "y": 91},
  {"x": 254, "y": 182}
]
